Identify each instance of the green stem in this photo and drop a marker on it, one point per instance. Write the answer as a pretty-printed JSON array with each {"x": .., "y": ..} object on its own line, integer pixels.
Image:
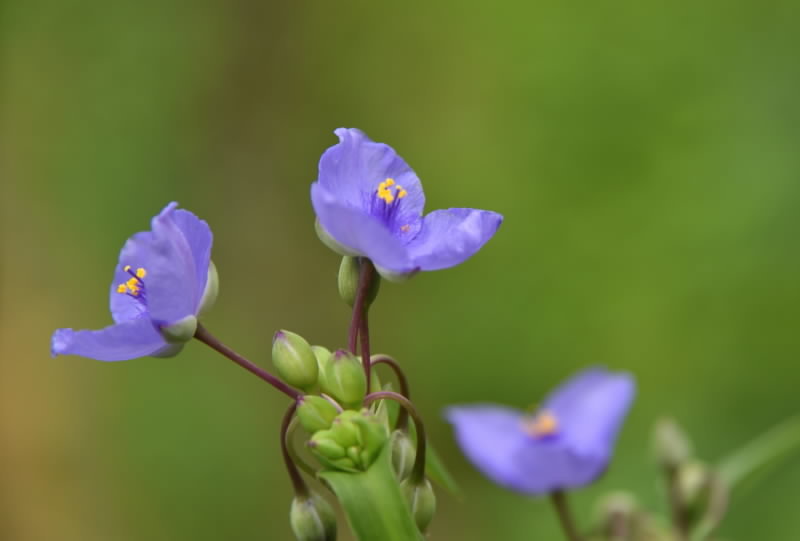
[
  {"x": 402, "y": 416},
  {"x": 565, "y": 517}
]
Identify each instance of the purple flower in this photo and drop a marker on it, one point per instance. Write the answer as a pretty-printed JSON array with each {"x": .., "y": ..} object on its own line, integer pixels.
[
  {"x": 369, "y": 203},
  {"x": 162, "y": 281},
  {"x": 566, "y": 444}
]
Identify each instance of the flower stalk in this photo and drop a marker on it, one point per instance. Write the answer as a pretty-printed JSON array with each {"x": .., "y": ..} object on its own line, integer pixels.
[
  {"x": 359, "y": 323},
  {"x": 211, "y": 341},
  {"x": 402, "y": 416},
  {"x": 559, "y": 499},
  {"x": 299, "y": 486}
]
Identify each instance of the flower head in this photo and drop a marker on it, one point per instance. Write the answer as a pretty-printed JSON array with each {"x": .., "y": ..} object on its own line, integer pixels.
[
  {"x": 369, "y": 203},
  {"x": 162, "y": 281},
  {"x": 566, "y": 444}
]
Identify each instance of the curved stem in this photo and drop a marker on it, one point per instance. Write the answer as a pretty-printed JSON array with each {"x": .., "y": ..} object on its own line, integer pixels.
[
  {"x": 417, "y": 474},
  {"x": 402, "y": 416},
  {"x": 208, "y": 339},
  {"x": 300, "y": 487},
  {"x": 296, "y": 458},
  {"x": 679, "y": 517},
  {"x": 565, "y": 515}
]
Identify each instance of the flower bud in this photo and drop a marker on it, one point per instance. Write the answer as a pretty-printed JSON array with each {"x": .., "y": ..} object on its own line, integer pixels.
[
  {"x": 343, "y": 378},
  {"x": 315, "y": 413},
  {"x": 312, "y": 519},
  {"x": 352, "y": 443},
  {"x": 403, "y": 454},
  {"x": 294, "y": 360},
  {"x": 349, "y": 277},
  {"x": 421, "y": 501},
  {"x": 670, "y": 443},
  {"x": 181, "y": 331},
  {"x": 703, "y": 494},
  {"x": 211, "y": 290}
]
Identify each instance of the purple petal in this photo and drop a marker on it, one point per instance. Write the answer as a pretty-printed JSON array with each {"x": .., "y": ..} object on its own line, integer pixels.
[
  {"x": 449, "y": 237},
  {"x": 199, "y": 238},
  {"x": 490, "y": 436},
  {"x": 126, "y": 307},
  {"x": 590, "y": 408},
  {"x": 353, "y": 169},
  {"x": 119, "y": 342},
  {"x": 493, "y": 439},
  {"x": 359, "y": 232}
]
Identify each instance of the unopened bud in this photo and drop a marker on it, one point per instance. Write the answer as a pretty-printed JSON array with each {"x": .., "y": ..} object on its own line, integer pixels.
[
  {"x": 670, "y": 443},
  {"x": 312, "y": 519},
  {"x": 349, "y": 278},
  {"x": 403, "y": 454},
  {"x": 294, "y": 360},
  {"x": 181, "y": 331},
  {"x": 421, "y": 501},
  {"x": 211, "y": 290},
  {"x": 343, "y": 379},
  {"x": 694, "y": 487},
  {"x": 315, "y": 413},
  {"x": 352, "y": 443}
]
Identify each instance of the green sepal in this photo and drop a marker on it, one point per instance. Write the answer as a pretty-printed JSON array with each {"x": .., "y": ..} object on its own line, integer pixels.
[{"x": 373, "y": 503}]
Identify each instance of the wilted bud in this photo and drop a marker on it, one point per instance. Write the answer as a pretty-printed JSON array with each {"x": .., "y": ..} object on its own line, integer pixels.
[
  {"x": 294, "y": 360},
  {"x": 349, "y": 276},
  {"x": 670, "y": 443},
  {"x": 211, "y": 291},
  {"x": 403, "y": 454},
  {"x": 312, "y": 519},
  {"x": 181, "y": 331},
  {"x": 315, "y": 413},
  {"x": 343, "y": 378},
  {"x": 421, "y": 501},
  {"x": 619, "y": 518},
  {"x": 703, "y": 494}
]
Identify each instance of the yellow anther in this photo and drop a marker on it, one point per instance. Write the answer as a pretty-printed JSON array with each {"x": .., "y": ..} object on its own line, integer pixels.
[
  {"x": 401, "y": 193},
  {"x": 544, "y": 424},
  {"x": 388, "y": 182},
  {"x": 141, "y": 273},
  {"x": 122, "y": 288},
  {"x": 126, "y": 268}
]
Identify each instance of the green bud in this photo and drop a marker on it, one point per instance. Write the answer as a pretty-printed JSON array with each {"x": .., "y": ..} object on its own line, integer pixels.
[
  {"x": 345, "y": 431},
  {"x": 343, "y": 379},
  {"x": 349, "y": 276},
  {"x": 403, "y": 454},
  {"x": 315, "y": 413},
  {"x": 374, "y": 436},
  {"x": 670, "y": 443},
  {"x": 181, "y": 331},
  {"x": 323, "y": 443},
  {"x": 211, "y": 291},
  {"x": 312, "y": 519},
  {"x": 703, "y": 493},
  {"x": 294, "y": 360},
  {"x": 421, "y": 501}
]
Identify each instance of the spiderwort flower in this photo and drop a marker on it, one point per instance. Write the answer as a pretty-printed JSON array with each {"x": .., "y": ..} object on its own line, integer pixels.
[
  {"x": 369, "y": 203},
  {"x": 566, "y": 444},
  {"x": 163, "y": 280}
]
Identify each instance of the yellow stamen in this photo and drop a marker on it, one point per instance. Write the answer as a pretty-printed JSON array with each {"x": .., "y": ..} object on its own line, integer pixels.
[
  {"x": 401, "y": 193},
  {"x": 388, "y": 182},
  {"x": 544, "y": 424},
  {"x": 384, "y": 192},
  {"x": 141, "y": 273},
  {"x": 126, "y": 268},
  {"x": 122, "y": 288}
]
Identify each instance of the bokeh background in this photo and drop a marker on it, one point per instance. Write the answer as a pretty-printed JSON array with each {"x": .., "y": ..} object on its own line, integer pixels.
[{"x": 644, "y": 154}]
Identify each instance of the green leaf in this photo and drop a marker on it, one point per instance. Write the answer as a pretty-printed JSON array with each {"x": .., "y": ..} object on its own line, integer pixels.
[
  {"x": 373, "y": 503},
  {"x": 436, "y": 470},
  {"x": 763, "y": 453}
]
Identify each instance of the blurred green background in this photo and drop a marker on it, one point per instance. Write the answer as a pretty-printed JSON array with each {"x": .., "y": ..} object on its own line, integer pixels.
[{"x": 644, "y": 154}]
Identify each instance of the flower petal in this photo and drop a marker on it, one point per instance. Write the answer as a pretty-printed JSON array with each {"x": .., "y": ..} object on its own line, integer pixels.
[
  {"x": 489, "y": 436},
  {"x": 359, "y": 232},
  {"x": 126, "y": 307},
  {"x": 590, "y": 407},
  {"x": 199, "y": 238},
  {"x": 493, "y": 439},
  {"x": 448, "y": 237},
  {"x": 353, "y": 169},
  {"x": 119, "y": 342}
]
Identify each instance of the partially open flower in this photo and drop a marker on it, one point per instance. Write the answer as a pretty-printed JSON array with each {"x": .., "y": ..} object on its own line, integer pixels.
[
  {"x": 369, "y": 203},
  {"x": 163, "y": 280},
  {"x": 566, "y": 444}
]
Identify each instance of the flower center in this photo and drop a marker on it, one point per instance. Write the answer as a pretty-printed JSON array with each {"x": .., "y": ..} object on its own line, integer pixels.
[
  {"x": 134, "y": 287},
  {"x": 541, "y": 425},
  {"x": 386, "y": 193}
]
